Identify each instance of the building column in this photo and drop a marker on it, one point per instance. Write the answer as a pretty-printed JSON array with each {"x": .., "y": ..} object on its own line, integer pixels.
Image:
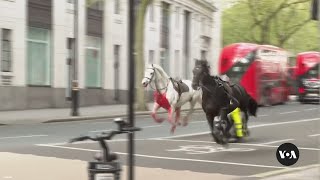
[
  {"x": 216, "y": 42},
  {"x": 18, "y": 37},
  {"x": 82, "y": 7},
  {"x": 59, "y": 47}
]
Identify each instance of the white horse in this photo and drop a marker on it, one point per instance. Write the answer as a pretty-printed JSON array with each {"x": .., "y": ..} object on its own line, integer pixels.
[{"x": 170, "y": 94}]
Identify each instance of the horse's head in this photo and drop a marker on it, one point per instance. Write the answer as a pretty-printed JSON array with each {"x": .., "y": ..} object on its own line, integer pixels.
[
  {"x": 148, "y": 75},
  {"x": 200, "y": 70}
]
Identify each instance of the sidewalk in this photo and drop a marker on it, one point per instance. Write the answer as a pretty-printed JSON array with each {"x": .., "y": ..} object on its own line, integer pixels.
[
  {"x": 311, "y": 172},
  {"x": 61, "y": 115}
]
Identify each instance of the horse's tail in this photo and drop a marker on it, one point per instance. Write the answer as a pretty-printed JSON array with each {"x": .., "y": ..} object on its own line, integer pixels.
[{"x": 252, "y": 106}]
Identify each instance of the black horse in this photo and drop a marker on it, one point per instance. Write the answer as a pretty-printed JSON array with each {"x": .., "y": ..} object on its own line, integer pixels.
[{"x": 215, "y": 101}]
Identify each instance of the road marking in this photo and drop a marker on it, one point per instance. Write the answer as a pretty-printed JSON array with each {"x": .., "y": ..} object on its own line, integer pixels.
[
  {"x": 288, "y": 112},
  {"x": 244, "y": 144},
  {"x": 28, "y": 136},
  {"x": 171, "y": 158},
  {"x": 285, "y": 122},
  {"x": 151, "y": 126},
  {"x": 103, "y": 130},
  {"x": 86, "y": 142},
  {"x": 108, "y": 130},
  {"x": 283, "y": 140},
  {"x": 205, "y": 149},
  {"x": 263, "y": 115},
  {"x": 253, "y": 126},
  {"x": 198, "y": 122},
  {"x": 310, "y": 109},
  {"x": 314, "y": 135}
]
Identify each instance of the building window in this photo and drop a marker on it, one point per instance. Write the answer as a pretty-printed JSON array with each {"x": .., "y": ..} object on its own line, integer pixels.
[
  {"x": 117, "y": 6},
  {"x": 203, "y": 55},
  {"x": 70, "y": 1},
  {"x": 39, "y": 57},
  {"x": 116, "y": 72},
  {"x": 164, "y": 60},
  {"x": 93, "y": 62},
  {"x": 203, "y": 23},
  {"x": 177, "y": 62},
  {"x": 6, "y": 51},
  {"x": 151, "y": 57},
  {"x": 177, "y": 17},
  {"x": 151, "y": 12},
  {"x": 94, "y": 4}
]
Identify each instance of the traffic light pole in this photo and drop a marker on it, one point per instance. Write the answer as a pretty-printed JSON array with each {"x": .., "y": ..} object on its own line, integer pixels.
[
  {"x": 75, "y": 84},
  {"x": 131, "y": 78}
]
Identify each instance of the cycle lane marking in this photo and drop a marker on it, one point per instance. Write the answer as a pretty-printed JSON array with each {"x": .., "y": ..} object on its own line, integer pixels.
[{"x": 170, "y": 158}]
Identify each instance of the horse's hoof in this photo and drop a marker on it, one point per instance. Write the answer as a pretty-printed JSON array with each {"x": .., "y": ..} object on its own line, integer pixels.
[
  {"x": 173, "y": 128},
  {"x": 159, "y": 120},
  {"x": 247, "y": 133}
]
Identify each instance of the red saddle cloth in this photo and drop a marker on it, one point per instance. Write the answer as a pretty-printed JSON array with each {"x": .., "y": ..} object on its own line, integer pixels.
[{"x": 162, "y": 100}]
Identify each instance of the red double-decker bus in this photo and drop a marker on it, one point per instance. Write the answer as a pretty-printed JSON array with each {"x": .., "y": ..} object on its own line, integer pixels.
[
  {"x": 260, "y": 69},
  {"x": 307, "y": 75}
]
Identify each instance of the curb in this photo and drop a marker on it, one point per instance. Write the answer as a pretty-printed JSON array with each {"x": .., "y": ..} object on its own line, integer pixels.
[
  {"x": 122, "y": 115},
  {"x": 284, "y": 171}
]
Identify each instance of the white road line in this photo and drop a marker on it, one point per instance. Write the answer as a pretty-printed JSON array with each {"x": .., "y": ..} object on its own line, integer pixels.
[
  {"x": 28, "y": 136},
  {"x": 313, "y": 135},
  {"x": 254, "y": 126},
  {"x": 285, "y": 122},
  {"x": 108, "y": 130},
  {"x": 283, "y": 140},
  {"x": 151, "y": 126},
  {"x": 198, "y": 122},
  {"x": 244, "y": 144},
  {"x": 86, "y": 142},
  {"x": 288, "y": 112},
  {"x": 102, "y": 130},
  {"x": 171, "y": 158},
  {"x": 310, "y": 109},
  {"x": 263, "y": 115}
]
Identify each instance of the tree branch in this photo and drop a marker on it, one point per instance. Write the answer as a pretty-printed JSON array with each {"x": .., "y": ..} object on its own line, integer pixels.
[{"x": 294, "y": 29}]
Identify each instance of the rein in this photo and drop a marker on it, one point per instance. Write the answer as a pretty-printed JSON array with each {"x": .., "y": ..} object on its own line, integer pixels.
[{"x": 209, "y": 90}]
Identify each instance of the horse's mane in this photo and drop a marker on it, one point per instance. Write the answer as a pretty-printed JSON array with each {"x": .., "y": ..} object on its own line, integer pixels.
[
  {"x": 160, "y": 70},
  {"x": 208, "y": 79}
]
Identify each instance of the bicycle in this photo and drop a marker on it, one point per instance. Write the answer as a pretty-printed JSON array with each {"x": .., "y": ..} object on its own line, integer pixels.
[{"x": 106, "y": 166}]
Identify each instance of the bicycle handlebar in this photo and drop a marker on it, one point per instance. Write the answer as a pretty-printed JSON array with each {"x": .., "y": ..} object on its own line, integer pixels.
[{"x": 105, "y": 135}]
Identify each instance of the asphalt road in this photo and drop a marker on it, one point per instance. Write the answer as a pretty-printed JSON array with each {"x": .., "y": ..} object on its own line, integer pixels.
[{"x": 190, "y": 148}]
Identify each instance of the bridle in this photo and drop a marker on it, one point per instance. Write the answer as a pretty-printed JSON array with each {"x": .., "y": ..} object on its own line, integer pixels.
[
  {"x": 154, "y": 76},
  {"x": 204, "y": 87}
]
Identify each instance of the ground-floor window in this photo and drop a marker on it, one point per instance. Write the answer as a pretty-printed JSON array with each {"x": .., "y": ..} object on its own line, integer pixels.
[
  {"x": 6, "y": 50},
  {"x": 176, "y": 64},
  {"x": 93, "y": 62},
  {"x": 151, "y": 57},
  {"x": 164, "y": 60},
  {"x": 39, "y": 57}
]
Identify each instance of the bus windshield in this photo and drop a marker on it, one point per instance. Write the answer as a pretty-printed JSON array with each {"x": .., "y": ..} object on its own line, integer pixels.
[{"x": 241, "y": 66}]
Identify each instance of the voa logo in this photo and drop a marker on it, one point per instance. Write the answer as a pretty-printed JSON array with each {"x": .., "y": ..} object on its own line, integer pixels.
[{"x": 287, "y": 154}]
